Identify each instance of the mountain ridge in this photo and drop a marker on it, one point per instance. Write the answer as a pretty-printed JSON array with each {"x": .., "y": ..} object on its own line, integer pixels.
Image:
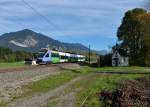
[{"x": 28, "y": 40}]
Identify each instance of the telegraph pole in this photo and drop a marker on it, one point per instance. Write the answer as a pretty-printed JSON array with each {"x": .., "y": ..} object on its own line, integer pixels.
[{"x": 89, "y": 54}]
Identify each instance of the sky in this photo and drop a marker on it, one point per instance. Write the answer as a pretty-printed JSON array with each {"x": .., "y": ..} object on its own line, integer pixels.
[{"x": 93, "y": 22}]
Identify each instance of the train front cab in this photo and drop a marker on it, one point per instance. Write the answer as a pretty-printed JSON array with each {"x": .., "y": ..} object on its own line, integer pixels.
[{"x": 44, "y": 57}]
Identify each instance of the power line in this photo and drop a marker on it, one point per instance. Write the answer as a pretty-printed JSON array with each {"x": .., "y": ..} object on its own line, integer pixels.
[
  {"x": 18, "y": 23},
  {"x": 31, "y": 26},
  {"x": 6, "y": 29},
  {"x": 41, "y": 15}
]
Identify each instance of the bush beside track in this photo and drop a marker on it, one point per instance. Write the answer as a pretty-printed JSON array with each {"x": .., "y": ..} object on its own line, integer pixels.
[{"x": 131, "y": 93}]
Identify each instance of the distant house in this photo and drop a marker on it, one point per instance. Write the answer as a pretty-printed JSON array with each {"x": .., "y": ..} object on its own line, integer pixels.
[{"x": 119, "y": 60}]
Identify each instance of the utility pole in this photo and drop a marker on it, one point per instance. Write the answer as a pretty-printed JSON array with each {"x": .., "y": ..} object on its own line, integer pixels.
[{"x": 89, "y": 54}]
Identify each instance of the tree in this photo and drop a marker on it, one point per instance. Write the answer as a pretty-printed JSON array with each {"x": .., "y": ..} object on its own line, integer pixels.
[
  {"x": 145, "y": 23},
  {"x": 131, "y": 36},
  {"x": 7, "y": 55},
  {"x": 106, "y": 60}
]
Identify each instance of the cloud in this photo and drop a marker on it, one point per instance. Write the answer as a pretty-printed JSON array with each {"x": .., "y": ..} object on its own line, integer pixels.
[{"x": 67, "y": 17}]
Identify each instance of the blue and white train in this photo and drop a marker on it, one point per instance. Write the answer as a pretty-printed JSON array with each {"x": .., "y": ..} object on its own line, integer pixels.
[{"x": 48, "y": 56}]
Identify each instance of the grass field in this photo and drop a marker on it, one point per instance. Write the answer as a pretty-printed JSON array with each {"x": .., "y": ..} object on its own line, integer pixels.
[
  {"x": 135, "y": 68},
  {"x": 49, "y": 83},
  {"x": 91, "y": 83},
  {"x": 91, "y": 88},
  {"x": 96, "y": 83},
  {"x": 100, "y": 82},
  {"x": 12, "y": 65}
]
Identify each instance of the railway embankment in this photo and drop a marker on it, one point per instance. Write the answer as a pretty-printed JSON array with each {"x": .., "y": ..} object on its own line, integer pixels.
[{"x": 11, "y": 82}]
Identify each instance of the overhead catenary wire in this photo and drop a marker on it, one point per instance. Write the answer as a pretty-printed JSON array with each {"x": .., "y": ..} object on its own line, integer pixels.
[
  {"x": 41, "y": 15},
  {"x": 30, "y": 26},
  {"x": 6, "y": 29},
  {"x": 50, "y": 23}
]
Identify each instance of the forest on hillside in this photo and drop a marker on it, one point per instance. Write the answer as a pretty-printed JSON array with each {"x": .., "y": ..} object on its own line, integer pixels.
[{"x": 7, "y": 55}]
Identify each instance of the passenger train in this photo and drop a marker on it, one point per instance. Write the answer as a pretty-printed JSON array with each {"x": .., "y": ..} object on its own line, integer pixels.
[{"x": 46, "y": 56}]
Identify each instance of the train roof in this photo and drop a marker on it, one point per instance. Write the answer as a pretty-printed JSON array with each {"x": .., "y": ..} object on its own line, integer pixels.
[
  {"x": 54, "y": 51},
  {"x": 67, "y": 54},
  {"x": 62, "y": 53}
]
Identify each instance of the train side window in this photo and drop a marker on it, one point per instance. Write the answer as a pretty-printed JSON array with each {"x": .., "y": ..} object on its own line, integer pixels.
[
  {"x": 62, "y": 57},
  {"x": 55, "y": 55},
  {"x": 47, "y": 55}
]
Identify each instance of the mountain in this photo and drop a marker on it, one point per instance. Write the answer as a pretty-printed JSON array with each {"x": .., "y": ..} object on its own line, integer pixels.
[
  {"x": 28, "y": 40},
  {"x": 102, "y": 52}
]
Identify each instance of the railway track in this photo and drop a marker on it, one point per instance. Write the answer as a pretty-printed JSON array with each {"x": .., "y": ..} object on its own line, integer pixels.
[{"x": 30, "y": 67}]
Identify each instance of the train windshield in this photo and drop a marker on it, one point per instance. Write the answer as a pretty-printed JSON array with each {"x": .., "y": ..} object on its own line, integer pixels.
[{"x": 41, "y": 54}]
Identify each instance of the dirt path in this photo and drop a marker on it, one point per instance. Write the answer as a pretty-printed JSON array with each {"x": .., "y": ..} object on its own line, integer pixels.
[
  {"x": 11, "y": 82},
  {"x": 40, "y": 100},
  {"x": 59, "y": 95},
  {"x": 67, "y": 101}
]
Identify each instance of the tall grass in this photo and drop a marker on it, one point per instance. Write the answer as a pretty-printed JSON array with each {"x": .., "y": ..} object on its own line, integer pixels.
[{"x": 12, "y": 65}]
